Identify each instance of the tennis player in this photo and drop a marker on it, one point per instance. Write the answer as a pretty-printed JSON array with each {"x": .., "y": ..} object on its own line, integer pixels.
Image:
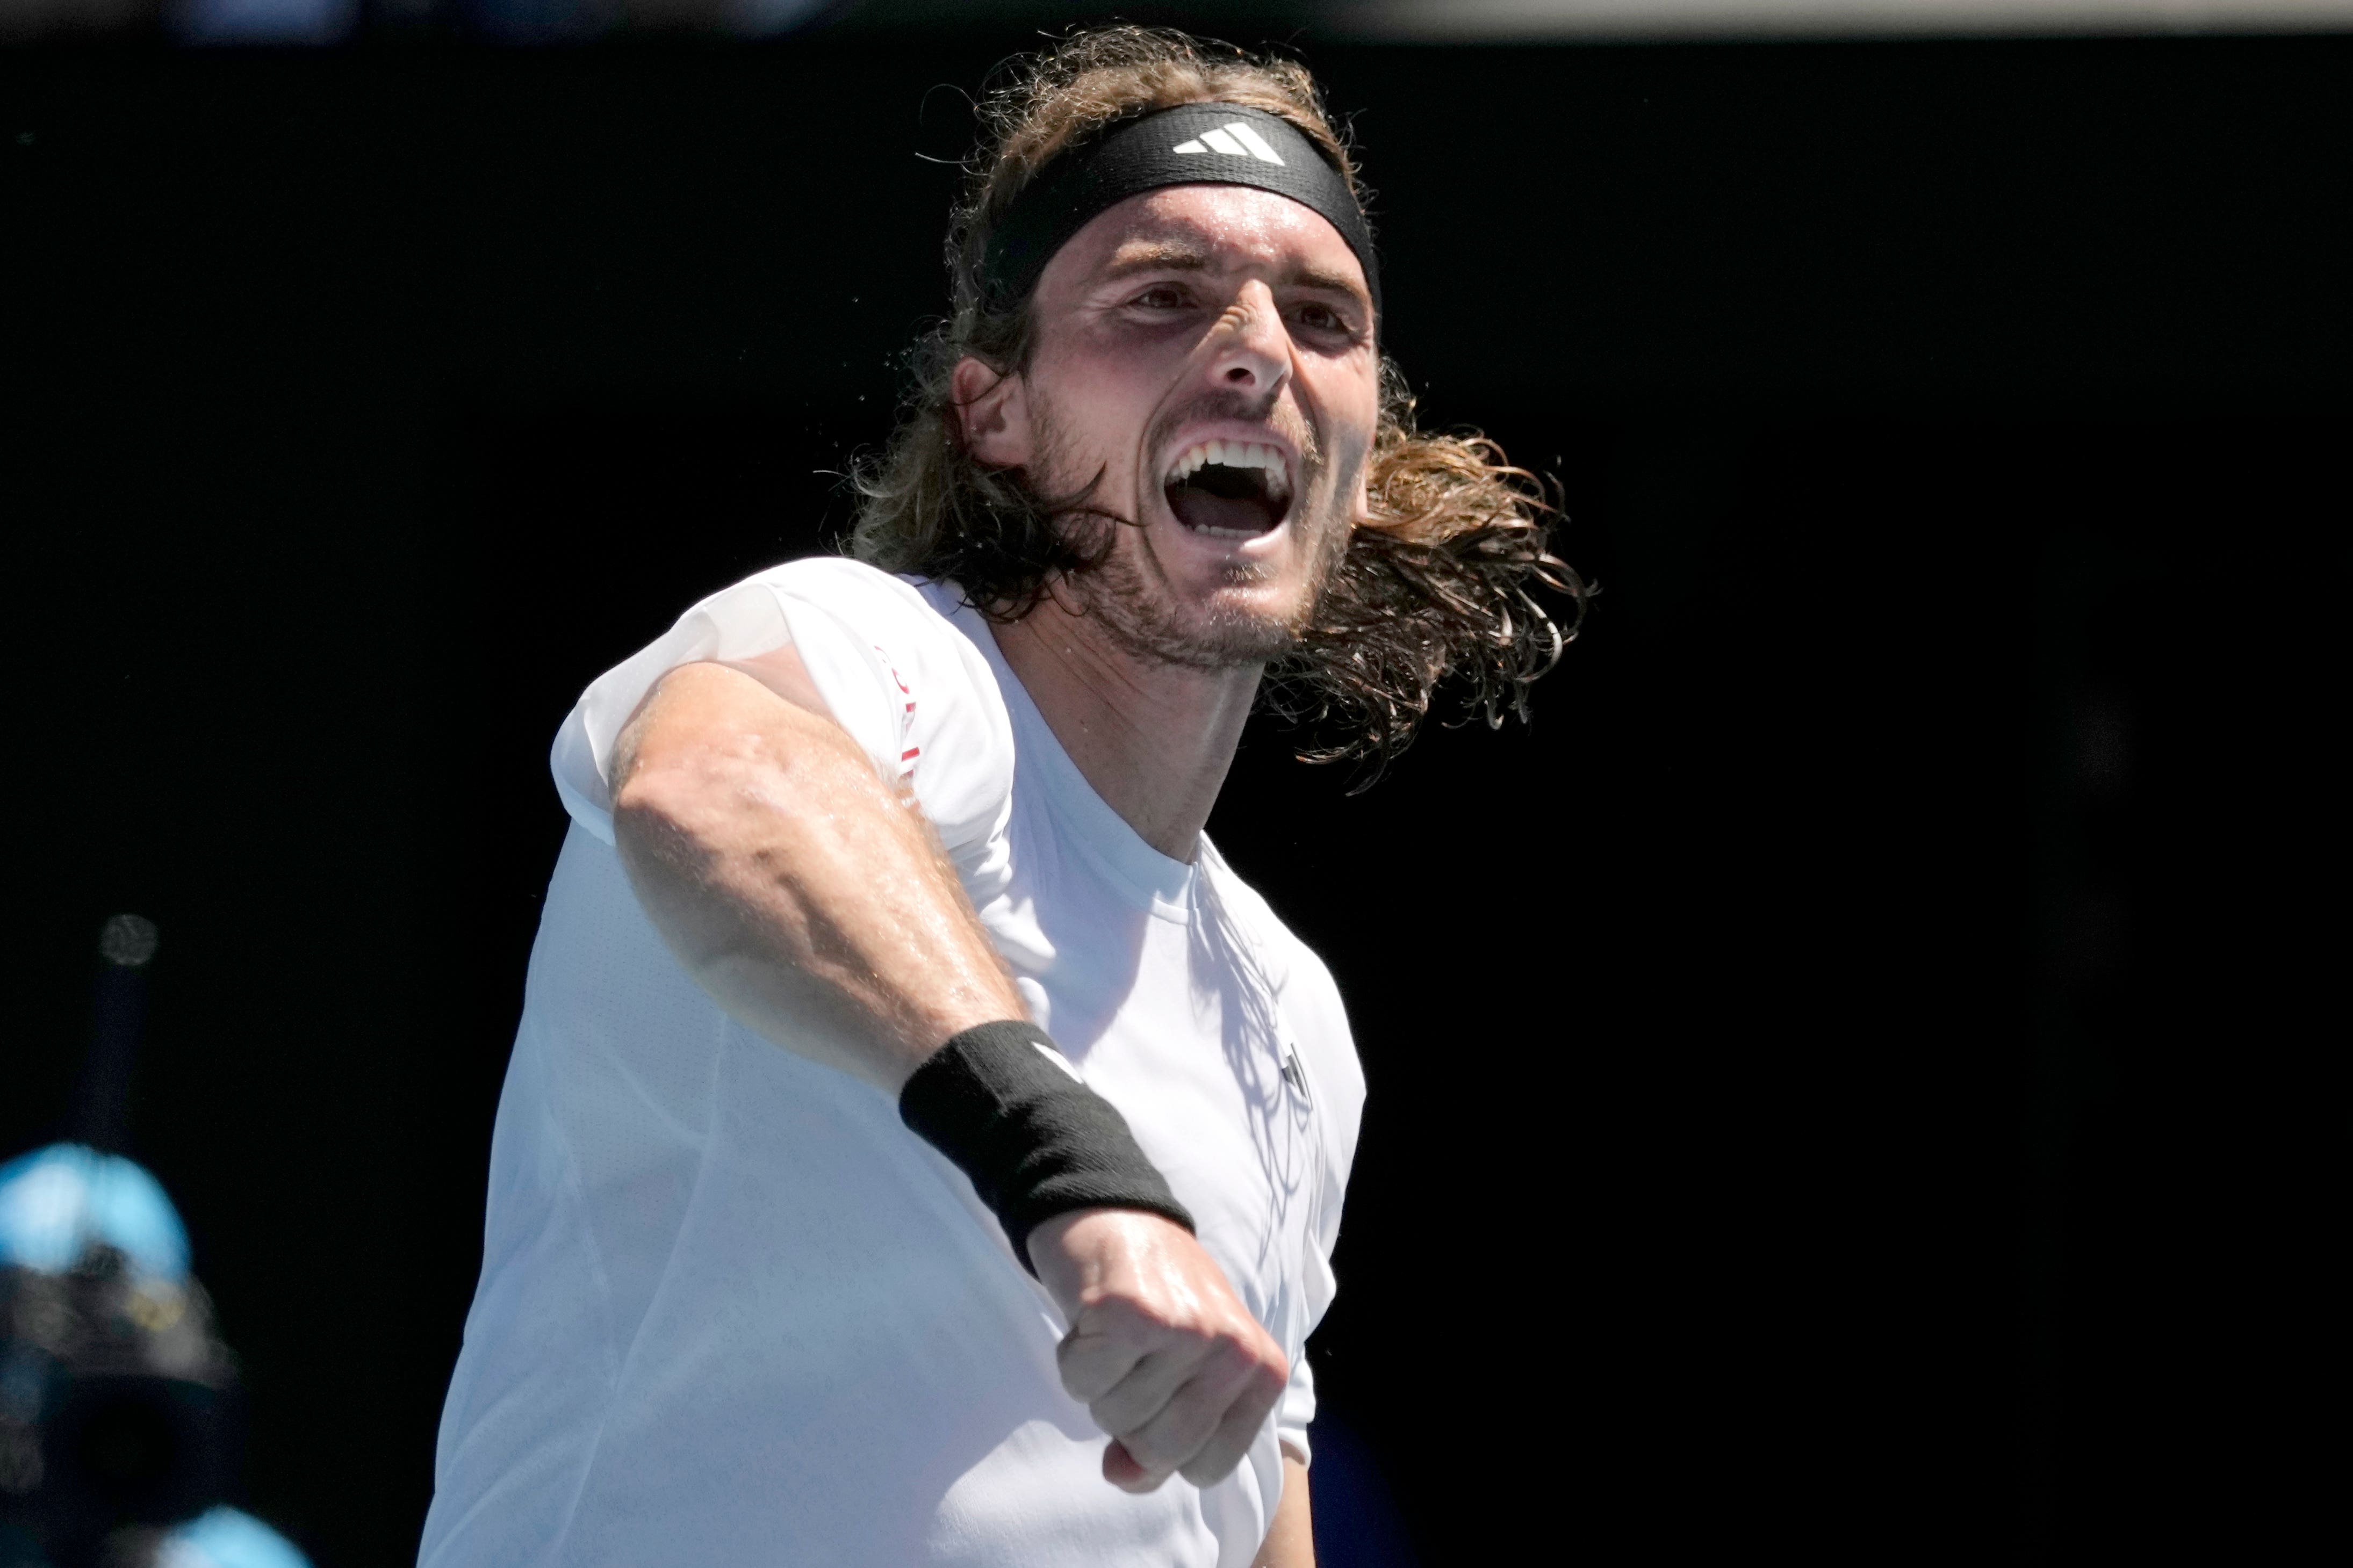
[{"x": 919, "y": 1147}]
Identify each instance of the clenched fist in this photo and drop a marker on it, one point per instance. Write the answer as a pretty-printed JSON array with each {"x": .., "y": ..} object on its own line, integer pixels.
[{"x": 1161, "y": 1351}]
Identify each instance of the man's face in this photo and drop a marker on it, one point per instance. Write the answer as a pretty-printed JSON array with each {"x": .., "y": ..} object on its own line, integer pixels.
[{"x": 1208, "y": 350}]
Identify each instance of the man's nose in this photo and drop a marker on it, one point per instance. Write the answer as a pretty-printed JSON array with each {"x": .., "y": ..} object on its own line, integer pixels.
[{"x": 1250, "y": 351}]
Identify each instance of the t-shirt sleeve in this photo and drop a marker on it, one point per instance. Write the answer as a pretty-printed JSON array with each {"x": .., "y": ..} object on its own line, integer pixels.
[
  {"x": 1297, "y": 1408},
  {"x": 915, "y": 694}
]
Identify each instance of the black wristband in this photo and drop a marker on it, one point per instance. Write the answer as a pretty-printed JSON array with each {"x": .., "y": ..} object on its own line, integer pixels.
[{"x": 1000, "y": 1101}]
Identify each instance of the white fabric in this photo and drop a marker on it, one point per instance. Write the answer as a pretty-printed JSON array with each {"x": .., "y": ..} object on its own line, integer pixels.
[{"x": 731, "y": 1310}]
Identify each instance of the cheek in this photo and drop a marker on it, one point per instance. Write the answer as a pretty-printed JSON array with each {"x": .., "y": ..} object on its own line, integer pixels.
[
  {"x": 1350, "y": 396},
  {"x": 1095, "y": 383},
  {"x": 1352, "y": 439},
  {"x": 1094, "y": 417}
]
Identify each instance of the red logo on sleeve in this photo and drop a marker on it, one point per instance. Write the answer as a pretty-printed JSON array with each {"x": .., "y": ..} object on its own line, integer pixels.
[{"x": 906, "y": 716}]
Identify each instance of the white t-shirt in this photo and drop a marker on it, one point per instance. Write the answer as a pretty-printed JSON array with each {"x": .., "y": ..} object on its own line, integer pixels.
[{"x": 732, "y": 1311}]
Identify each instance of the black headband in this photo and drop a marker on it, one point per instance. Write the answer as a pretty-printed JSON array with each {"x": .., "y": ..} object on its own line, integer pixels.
[{"x": 1192, "y": 144}]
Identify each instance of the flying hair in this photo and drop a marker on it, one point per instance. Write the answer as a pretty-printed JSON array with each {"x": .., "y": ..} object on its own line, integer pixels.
[{"x": 1437, "y": 591}]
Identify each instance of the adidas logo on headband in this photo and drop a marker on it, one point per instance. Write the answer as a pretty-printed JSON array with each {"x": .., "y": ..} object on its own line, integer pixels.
[
  {"x": 1237, "y": 140},
  {"x": 1225, "y": 144}
]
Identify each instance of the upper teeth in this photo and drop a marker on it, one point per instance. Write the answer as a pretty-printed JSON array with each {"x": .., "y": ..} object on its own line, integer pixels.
[{"x": 1234, "y": 455}]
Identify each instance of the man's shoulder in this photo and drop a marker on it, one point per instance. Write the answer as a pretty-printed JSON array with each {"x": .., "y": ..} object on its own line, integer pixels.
[
  {"x": 942, "y": 724},
  {"x": 848, "y": 585},
  {"x": 917, "y": 615}
]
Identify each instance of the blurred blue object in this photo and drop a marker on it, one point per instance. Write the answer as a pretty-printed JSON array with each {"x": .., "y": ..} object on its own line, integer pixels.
[
  {"x": 58, "y": 1203},
  {"x": 225, "y": 1538},
  {"x": 265, "y": 21}
]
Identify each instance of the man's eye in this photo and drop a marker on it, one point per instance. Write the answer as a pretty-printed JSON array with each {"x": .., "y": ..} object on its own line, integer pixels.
[
  {"x": 1162, "y": 297},
  {"x": 1321, "y": 319}
]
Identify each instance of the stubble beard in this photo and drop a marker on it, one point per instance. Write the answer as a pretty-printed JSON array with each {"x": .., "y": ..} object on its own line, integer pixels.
[{"x": 1141, "y": 613}]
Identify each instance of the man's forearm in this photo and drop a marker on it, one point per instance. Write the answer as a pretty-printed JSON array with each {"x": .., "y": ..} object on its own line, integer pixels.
[
  {"x": 807, "y": 898},
  {"x": 815, "y": 904}
]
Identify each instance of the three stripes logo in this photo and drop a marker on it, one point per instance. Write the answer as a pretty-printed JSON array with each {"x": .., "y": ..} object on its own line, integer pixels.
[
  {"x": 1296, "y": 1077},
  {"x": 1238, "y": 139}
]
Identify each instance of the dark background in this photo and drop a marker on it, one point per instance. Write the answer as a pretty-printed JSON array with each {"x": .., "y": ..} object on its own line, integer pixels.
[{"x": 1863, "y": 1074}]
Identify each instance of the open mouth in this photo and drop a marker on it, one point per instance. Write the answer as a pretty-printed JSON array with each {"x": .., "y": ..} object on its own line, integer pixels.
[{"x": 1229, "y": 489}]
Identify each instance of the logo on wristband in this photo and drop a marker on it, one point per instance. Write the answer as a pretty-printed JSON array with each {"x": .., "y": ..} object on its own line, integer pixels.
[{"x": 1059, "y": 1059}]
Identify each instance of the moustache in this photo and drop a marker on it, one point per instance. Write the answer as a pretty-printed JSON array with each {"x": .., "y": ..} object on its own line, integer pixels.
[{"x": 1295, "y": 429}]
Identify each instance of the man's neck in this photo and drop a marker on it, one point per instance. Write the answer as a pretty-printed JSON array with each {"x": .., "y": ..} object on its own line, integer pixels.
[{"x": 1154, "y": 740}]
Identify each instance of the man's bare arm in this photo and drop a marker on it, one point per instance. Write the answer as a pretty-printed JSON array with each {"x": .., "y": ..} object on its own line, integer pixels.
[
  {"x": 805, "y": 895},
  {"x": 814, "y": 903},
  {"x": 1291, "y": 1536}
]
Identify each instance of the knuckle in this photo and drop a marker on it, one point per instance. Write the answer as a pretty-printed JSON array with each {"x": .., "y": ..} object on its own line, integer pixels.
[
  {"x": 1249, "y": 1353},
  {"x": 1125, "y": 1325},
  {"x": 1103, "y": 1305},
  {"x": 1133, "y": 1311},
  {"x": 1091, "y": 1374}
]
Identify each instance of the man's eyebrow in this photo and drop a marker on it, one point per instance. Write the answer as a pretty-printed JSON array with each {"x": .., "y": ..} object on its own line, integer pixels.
[
  {"x": 1155, "y": 257},
  {"x": 1130, "y": 259},
  {"x": 1335, "y": 282}
]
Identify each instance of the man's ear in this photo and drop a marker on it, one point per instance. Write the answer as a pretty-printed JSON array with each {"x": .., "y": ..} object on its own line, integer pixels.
[{"x": 993, "y": 410}]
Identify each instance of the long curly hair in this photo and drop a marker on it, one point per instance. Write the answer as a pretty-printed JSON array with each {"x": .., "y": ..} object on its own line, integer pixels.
[{"x": 1437, "y": 590}]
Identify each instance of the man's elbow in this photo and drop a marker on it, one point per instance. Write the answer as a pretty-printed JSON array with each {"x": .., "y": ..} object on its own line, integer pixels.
[
  {"x": 670, "y": 826},
  {"x": 682, "y": 759},
  {"x": 686, "y": 799},
  {"x": 661, "y": 817},
  {"x": 677, "y": 775},
  {"x": 653, "y": 804}
]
